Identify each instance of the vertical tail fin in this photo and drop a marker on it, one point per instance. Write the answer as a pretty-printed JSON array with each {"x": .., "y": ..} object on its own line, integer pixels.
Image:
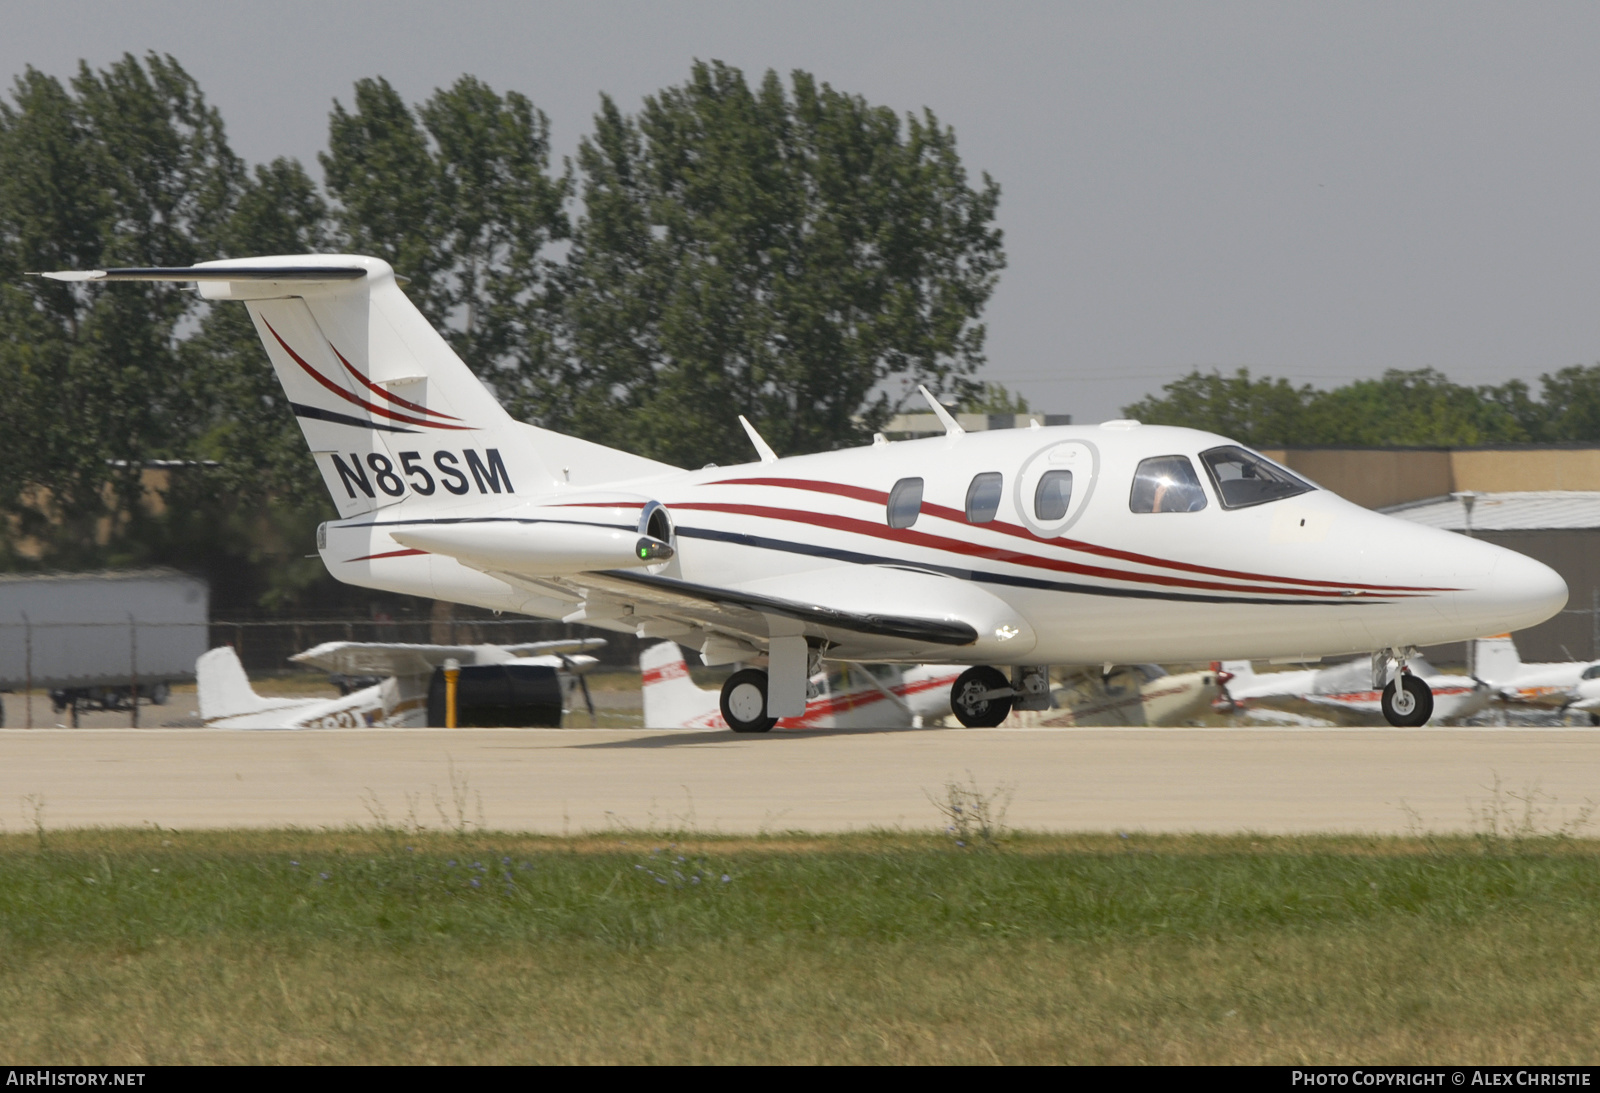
[{"x": 671, "y": 699}]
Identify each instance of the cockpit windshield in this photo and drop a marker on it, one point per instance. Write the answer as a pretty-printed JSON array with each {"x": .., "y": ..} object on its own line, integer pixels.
[{"x": 1243, "y": 478}]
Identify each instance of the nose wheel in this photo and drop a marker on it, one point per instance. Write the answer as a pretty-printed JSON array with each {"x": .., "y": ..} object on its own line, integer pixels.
[
  {"x": 1407, "y": 701},
  {"x": 744, "y": 701},
  {"x": 981, "y": 697}
]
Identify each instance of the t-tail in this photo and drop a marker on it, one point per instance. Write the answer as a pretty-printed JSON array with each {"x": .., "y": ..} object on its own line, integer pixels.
[{"x": 390, "y": 412}]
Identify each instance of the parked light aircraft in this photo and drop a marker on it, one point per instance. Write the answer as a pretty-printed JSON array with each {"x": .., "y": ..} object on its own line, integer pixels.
[
  {"x": 507, "y": 684},
  {"x": 1496, "y": 661},
  {"x": 1346, "y": 689},
  {"x": 1109, "y": 544},
  {"x": 1139, "y": 694},
  {"x": 1584, "y": 696},
  {"x": 847, "y": 696}
]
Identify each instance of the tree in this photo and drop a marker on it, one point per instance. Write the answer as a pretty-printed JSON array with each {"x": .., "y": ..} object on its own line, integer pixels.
[
  {"x": 129, "y": 166},
  {"x": 784, "y": 254},
  {"x": 995, "y": 398},
  {"x": 1420, "y": 408},
  {"x": 1262, "y": 412},
  {"x": 456, "y": 195}
]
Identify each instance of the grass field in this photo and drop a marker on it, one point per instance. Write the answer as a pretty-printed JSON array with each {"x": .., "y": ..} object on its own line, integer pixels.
[{"x": 385, "y": 946}]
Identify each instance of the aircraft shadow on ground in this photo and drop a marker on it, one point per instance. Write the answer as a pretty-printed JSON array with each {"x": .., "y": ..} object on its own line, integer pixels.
[{"x": 672, "y": 738}]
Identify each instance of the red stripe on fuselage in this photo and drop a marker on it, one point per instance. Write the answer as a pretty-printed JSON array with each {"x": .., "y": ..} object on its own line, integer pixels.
[
  {"x": 878, "y": 497},
  {"x": 388, "y": 554},
  {"x": 994, "y": 554}
]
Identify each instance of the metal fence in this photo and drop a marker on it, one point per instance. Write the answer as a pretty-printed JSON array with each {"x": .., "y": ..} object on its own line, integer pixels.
[{"x": 46, "y": 654}]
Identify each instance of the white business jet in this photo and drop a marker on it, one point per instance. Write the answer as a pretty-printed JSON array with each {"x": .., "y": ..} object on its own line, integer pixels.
[
  {"x": 527, "y": 684},
  {"x": 849, "y": 696},
  {"x": 1022, "y": 549}
]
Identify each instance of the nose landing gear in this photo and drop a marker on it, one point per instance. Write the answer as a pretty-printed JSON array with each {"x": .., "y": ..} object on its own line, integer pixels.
[
  {"x": 1407, "y": 701},
  {"x": 981, "y": 697}
]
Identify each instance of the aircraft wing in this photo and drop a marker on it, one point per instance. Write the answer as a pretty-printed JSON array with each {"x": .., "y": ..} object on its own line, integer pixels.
[
  {"x": 743, "y": 612},
  {"x": 561, "y": 648},
  {"x": 360, "y": 658}
]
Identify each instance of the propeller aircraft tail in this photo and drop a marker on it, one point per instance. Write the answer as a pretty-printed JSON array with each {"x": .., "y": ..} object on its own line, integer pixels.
[{"x": 671, "y": 698}]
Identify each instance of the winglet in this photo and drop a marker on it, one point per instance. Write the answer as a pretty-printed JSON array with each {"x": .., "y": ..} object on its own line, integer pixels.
[
  {"x": 952, "y": 427},
  {"x": 763, "y": 449}
]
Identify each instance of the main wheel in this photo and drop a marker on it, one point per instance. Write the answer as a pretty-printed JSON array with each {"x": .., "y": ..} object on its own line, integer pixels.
[
  {"x": 1407, "y": 702},
  {"x": 744, "y": 701},
  {"x": 972, "y": 699}
]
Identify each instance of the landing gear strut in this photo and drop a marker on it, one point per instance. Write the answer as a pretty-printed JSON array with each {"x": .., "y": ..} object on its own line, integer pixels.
[
  {"x": 744, "y": 701},
  {"x": 981, "y": 697}
]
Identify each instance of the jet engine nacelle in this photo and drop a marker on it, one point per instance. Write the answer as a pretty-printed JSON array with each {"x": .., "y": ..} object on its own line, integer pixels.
[{"x": 537, "y": 548}]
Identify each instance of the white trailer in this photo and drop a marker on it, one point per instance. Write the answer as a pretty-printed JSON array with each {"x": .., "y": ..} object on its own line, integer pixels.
[{"x": 101, "y": 640}]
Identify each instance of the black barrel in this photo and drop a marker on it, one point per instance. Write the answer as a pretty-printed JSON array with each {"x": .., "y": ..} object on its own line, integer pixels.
[{"x": 521, "y": 696}]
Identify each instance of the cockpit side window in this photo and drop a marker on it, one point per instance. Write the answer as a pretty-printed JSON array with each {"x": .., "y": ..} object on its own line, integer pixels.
[
  {"x": 905, "y": 503},
  {"x": 1592, "y": 672},
  {"x": 983, "y": 497},
  {"x": 1166, "y": 483},
  {"x": 1243, "y": 478}
]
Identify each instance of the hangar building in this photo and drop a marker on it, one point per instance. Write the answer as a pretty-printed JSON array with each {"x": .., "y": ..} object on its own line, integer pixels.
[{"x": 1540, "y": 500}]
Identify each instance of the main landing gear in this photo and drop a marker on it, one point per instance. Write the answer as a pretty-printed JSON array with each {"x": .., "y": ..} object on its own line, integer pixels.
[
  {"x": 744, "y": 701},
  {"x": 981, "y": 697}
]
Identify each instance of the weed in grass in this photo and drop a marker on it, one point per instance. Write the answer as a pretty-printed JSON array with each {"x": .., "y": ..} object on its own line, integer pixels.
[
  {"x": 1509, "y": 822},
  {"x": 973, "y": 817},
  {"x": 33, "y": 804}
]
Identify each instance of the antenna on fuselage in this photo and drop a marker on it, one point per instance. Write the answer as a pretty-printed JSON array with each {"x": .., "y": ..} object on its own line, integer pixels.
[
  {"x": 763, "y": 449},
  {"x": 952, "y": 427}
]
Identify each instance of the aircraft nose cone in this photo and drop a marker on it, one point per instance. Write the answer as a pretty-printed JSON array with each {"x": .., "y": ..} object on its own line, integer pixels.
[{"x": 1516, "y": 593}]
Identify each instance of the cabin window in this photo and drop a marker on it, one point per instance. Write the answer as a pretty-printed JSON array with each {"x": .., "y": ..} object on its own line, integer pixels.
[
  {"x": 1053, "y": 496},
  {"x": 983, "y": 497},
  {"x": 1592, "y": 672},
  {"x": 1166, "y": 483},
  {"x": 905, "y": 502},
  {"x": 1243, "y": 478}
]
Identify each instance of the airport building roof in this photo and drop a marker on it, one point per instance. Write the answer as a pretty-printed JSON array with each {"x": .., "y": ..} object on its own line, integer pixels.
[{"x": 1526, "y": 510}]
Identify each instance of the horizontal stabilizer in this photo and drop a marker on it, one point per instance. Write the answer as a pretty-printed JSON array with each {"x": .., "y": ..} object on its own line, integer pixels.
[{"x": 211, "y": 273}]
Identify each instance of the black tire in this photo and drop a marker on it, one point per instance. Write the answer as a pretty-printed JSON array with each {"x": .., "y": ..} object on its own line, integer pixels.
[
  {"x": 744, "y": 701},
  {"x": 974, "y": 711},
  {"x": 159, "y": 694},
  {"x": 1419, "y": 697}
]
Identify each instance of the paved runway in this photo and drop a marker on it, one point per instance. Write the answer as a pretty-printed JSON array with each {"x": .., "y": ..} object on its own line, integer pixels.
[{"x": 555, "y": 780}]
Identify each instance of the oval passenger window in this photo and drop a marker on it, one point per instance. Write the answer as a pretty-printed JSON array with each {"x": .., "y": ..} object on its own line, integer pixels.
[
  {"x": 1053, "y": 496},
  {"x": 905, "y": 502},
  {"x": 983, "y": 497}
]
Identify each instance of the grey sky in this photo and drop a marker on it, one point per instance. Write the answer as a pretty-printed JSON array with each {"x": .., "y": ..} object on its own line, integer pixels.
[{"x": 1320, "y": 191}]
